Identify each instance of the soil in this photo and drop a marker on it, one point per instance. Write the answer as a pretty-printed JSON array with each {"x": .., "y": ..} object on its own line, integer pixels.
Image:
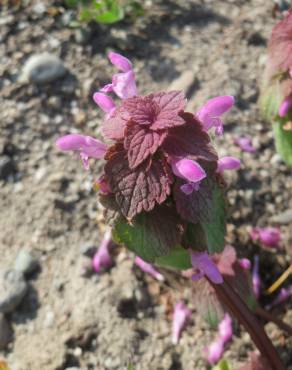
[{"x": 48, "y": 206}]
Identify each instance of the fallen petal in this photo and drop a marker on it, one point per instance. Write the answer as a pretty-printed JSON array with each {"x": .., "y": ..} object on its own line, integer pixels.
[
  {"x": 188, "y": 170},
  {"x": 214, "y": 352},
  {"x": 228, "y": 163},
  {"x": 225, "y": 329},
  {"x": 181, "y": 315},
  {"x": 121, "y": 62},
  {"x": 256, "y": 280},
  {"x": 245, "y": 144},
  {"x": 148, "y": 268},
  {"x": 102, "y": 258}
]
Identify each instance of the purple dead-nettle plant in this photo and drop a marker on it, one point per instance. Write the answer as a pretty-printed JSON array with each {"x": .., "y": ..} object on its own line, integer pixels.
[
  {"x": 162, "y": 188},
  {"x": 276, "y": 91}
]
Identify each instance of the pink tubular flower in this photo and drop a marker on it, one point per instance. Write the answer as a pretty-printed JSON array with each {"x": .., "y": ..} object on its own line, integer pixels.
[
  {"x": 189, "y": 170},
  {"x": 148, "y": 268},
  {"x": 87, "y": 146},
  {"x": 123, "y": 84},
  {"x": 228, "y": 163},
  {"x": 181, "y": 315},
  {"x": 285, "y": 107},
  {"x": 205, "y": 267},
  {"x": 105, "y": 102},
  {"x": 285, "y": 293},
  {"x": 209, "y": 114},
  {"x": 256, "y": 280},
  {"x": 102, "y": 258},
  {"x": 225, "y": 329},
  {"x": 245, "y": 144},
  {"x": 268, "y": 236}
]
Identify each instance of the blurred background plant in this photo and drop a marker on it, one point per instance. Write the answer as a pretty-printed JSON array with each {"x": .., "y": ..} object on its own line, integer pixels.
[{"x": 106, "y": 11}]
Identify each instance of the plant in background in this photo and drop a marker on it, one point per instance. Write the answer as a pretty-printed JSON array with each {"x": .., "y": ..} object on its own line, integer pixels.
[
  {"x": 162, "y": 187},
  {"x": 276, "y": 91},
  {"x": 105, "y": 11}
]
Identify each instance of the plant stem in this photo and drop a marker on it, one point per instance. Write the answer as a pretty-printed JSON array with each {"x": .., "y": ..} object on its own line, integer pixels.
[
  {"x": 269, "y": 317},
  {"x": 239, "y": 309}
]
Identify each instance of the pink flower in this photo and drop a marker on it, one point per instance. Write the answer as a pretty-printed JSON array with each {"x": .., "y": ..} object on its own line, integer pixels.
[
  {"x": 285, "y": 107},
  {"x": 245, "y": 144},
  {"x": 105, "y": 102},
  {"x": 181, "y": 315},
  {"x": 123, "y": 84},
  {"x": 228, "y": 163},
  {"x": 148, "y": 268},
  {"x": 205, "y": 267},
  {"x": 225, "y": 329},
  {"x": 214, "y": 351},
  {"x": 87, "y": 146},
  {"x": 189, "y": 170},
  {"x": 209, "y": 114},
  {"x": 285, "y": 293},
  {"x": 102, "y": 258},
  {"x": 256, "y": 280},
  {"x": 268, "y": 236}
]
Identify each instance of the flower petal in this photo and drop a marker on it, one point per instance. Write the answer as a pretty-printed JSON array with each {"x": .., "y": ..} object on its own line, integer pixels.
[
  {"x": 84, "y": 144},
  {"x": 268, "y": 236},
  {"x": 188, "y": 170},
  {"x": 214, "y": 108},
  {"x": 225, "y": 329},
  {"x": 187, "y": 188},
  {"x": 228, "y": 163},
  {"x": 285, "y": 107},
  {"x": 204, "y": 263},
  {"x": 214, "y": 351},
  {"x": 148, "y": 268},
  {"x": 121, "y": 62},
  {"x": 124, "y": 85},
  {"x": 181, "y": 315},
  {"x": 104, "y": 101},
  {"x": 256, "y": 280}
]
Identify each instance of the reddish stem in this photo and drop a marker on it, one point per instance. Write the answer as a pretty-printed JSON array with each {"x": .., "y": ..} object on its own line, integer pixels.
[{"x": 239, "y": 309}]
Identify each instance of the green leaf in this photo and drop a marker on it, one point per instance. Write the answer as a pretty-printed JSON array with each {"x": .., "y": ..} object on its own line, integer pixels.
[
  {"x": 178, "y": 258},
  {"x": 112, "y": 12},
  {"x": 152, "y": 234},
  {"x": 130, "y": 367},
  {"x": 215, "y": 230},
  {"x": 283, "y": 139},
  {"x": 222, "y": 365},
  {"x": 271, "y": 99}
]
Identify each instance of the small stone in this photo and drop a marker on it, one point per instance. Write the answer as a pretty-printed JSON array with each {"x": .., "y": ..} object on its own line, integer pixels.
[
  {"x": 283, "y": 218},
  {"x": 25, "y": 262},
  {"x": 13, "y": 288},
  {"x": 7, "y": 167},
  {"x": 82, "y": 35},
  {"x": 5, "y": 332},
  {"x": 42, "y": 68},
  {"x": 49, "y": 319}
]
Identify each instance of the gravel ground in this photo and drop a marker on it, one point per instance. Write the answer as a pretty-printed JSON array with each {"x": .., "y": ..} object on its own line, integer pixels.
[{"x": 49, "y": 209}]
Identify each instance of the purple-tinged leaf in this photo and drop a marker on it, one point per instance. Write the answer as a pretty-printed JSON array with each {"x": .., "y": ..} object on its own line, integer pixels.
[
  {"x": 140, "y": 143},
  {"x": 189, "y": 140},
  {"x": 114, "y": 127},
  {"x": 139, "y": 189},
  {"x": 142, "y": 109}
]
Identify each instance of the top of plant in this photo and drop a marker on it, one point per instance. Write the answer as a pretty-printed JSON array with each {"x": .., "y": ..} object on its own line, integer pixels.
[{"x": 161, "y": 171}]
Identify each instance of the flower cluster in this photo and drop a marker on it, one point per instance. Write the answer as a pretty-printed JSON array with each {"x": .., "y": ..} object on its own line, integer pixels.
[{"x": 159, "y": 159}]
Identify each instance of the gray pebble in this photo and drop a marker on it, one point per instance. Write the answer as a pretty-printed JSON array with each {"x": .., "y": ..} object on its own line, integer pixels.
[
  {"x": 25, "y": 262},
  {"x": 5, "y": 332},
  {"x": 283, "y": 218},
  {"x": 13, "y": 288},
  {"x": 42, "y": 68}
]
